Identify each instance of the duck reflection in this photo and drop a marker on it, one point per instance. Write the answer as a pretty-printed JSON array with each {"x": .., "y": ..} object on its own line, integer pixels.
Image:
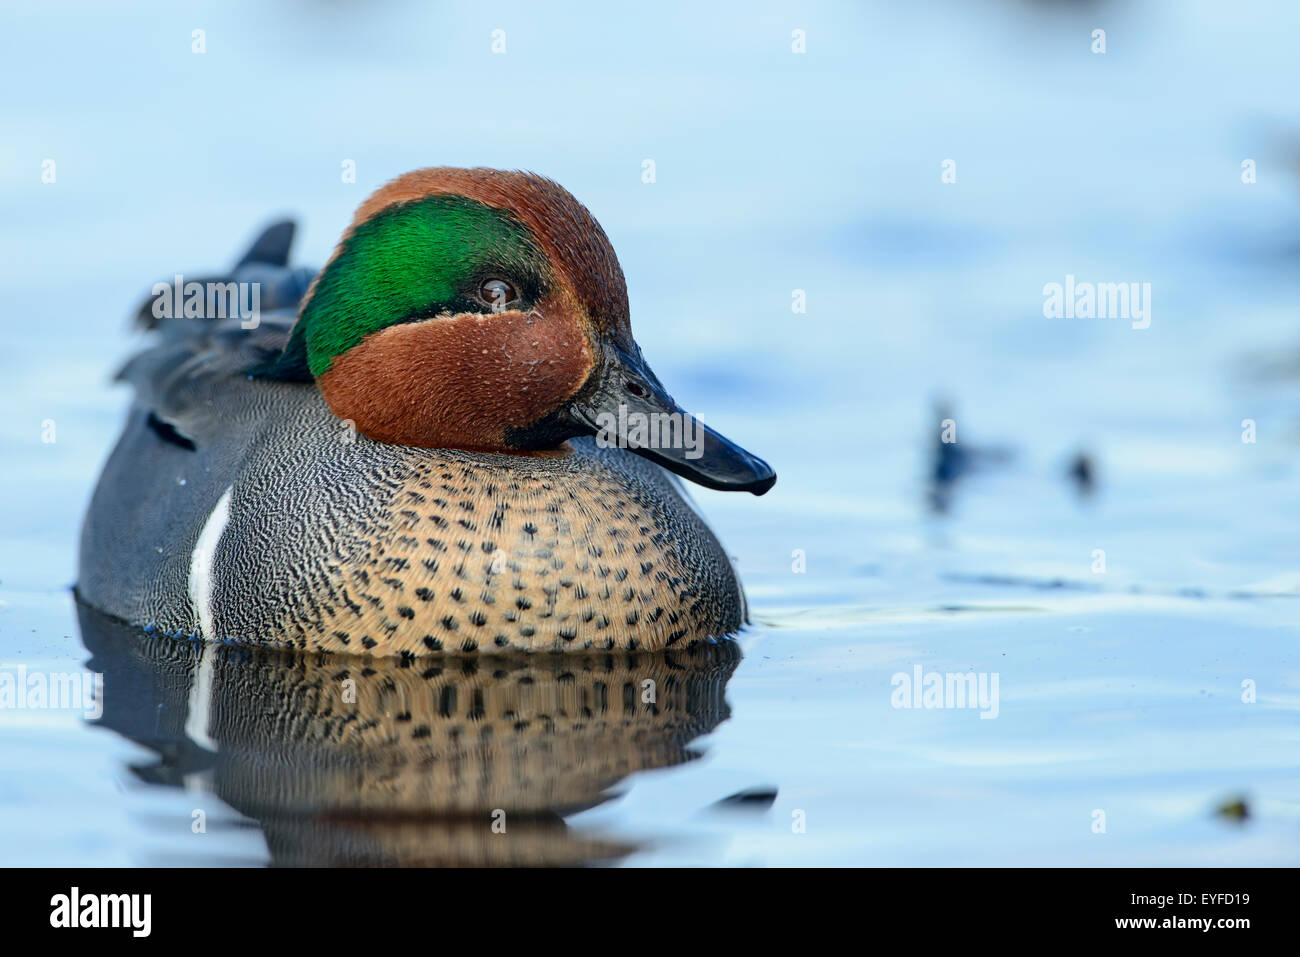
[{"x": 428, "y": 762}]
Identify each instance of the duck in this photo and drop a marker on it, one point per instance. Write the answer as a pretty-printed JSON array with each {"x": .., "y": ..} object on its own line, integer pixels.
[{"x": 446, "y": 441}]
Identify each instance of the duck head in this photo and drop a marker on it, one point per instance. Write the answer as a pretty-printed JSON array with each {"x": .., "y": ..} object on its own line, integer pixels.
[{"x": 486, "y": 310}]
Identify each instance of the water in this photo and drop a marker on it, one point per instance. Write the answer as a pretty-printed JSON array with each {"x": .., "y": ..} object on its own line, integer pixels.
[{"x": 1120, "y": 691}]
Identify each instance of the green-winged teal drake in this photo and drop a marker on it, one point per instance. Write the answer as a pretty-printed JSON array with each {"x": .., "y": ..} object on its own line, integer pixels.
[{"x": 401, "y": 457}]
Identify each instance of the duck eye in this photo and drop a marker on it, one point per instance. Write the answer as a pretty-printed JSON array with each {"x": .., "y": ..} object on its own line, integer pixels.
[{"x": 497, "y": 293}]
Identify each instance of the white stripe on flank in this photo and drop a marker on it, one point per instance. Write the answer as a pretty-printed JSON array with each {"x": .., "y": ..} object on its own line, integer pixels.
[{"x": 201, "y": 561}]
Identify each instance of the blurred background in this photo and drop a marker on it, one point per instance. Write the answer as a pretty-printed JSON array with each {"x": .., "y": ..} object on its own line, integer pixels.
[{"x": 803, "y": 276}]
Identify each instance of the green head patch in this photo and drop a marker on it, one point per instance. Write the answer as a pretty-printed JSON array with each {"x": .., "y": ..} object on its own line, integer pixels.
[{"x": 412, "y": 261}]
